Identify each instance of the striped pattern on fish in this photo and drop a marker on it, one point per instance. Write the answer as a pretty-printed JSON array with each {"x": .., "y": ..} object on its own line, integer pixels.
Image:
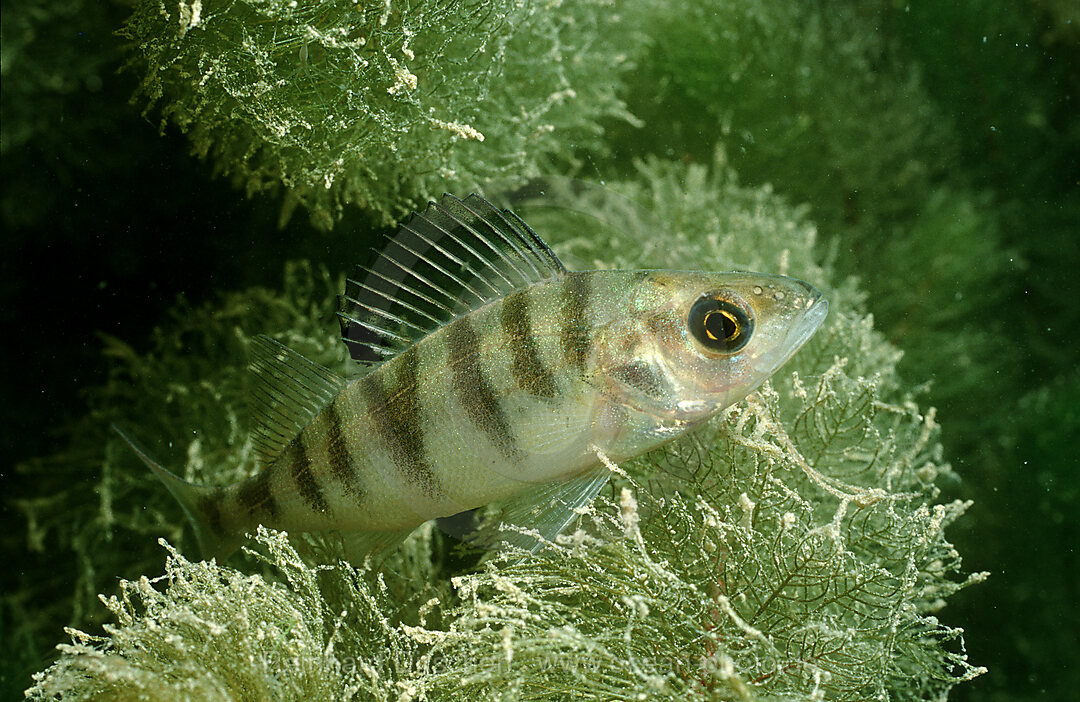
[
  {"x": 518, "y": 390},
  {"x": 495, "y": 371}
]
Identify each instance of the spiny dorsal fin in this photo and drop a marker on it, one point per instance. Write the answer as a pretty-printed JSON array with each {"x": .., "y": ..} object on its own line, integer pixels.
[
  {"x": 288, "y": 391},
  {"x": 452, "y": 258}
]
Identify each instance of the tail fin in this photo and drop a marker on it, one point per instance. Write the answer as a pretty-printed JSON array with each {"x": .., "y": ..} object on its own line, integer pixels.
[{"x": 201, "y": 504}]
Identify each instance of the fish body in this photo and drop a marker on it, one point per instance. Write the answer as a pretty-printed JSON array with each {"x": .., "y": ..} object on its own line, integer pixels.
[{"x": 516, "y": 383}]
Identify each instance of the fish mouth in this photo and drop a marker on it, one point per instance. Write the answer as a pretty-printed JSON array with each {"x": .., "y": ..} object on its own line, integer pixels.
[
  {"x": 816, "y": 311},
  {"x": 690, "y": 412},
  {"x": 817, "y": 308}
]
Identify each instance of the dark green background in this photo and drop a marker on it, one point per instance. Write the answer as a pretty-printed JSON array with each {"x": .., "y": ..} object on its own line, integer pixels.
[{"x": 106, "y": 223}]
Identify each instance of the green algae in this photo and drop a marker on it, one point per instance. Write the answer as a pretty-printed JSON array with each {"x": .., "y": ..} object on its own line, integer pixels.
[
  {"x": 377, "y": 104},
  {"x": 794, "y": 549},
  {"x": 859, "y": 136}
]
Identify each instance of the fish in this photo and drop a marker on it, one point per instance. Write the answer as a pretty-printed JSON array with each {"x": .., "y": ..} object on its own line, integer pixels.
[{"x": 494, "y": 373}]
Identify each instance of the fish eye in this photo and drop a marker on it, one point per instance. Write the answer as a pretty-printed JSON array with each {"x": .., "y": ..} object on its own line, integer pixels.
[{"x": 720, "y": 325}]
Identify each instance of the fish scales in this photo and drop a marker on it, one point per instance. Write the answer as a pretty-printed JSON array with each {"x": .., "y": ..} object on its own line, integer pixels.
[
  {"x": 465, "y": 377},
  {"x": 307, "y": 484},
  {"x": 574, "y": 332},
  {"x": 465, "y": 370},
  {"x": 393, "y": 408},
  {"x": 518, "y": 392},
  {"x": 255, "y": 498},
  {"x": 475, "y": 392}
]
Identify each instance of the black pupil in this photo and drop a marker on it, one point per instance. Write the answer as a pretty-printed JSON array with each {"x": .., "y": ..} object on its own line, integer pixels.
[{"x": 721, "y": 325}]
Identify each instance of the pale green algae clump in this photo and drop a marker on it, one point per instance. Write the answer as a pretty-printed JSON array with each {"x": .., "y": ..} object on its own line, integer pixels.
[
  {"x": 379, "y": 104},
  {"x": 791, "y": 550}
]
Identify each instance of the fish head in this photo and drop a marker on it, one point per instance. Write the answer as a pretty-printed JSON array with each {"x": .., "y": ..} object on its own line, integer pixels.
[{"x": 690, "y": 344}]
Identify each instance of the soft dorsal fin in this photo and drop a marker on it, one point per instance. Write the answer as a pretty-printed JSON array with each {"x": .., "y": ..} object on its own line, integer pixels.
[
  {"x": 288, "y": 391},
  {"x": 452, "y": 258}
]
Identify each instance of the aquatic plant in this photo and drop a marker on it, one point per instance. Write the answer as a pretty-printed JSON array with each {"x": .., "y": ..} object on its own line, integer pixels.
[
  {"x": 374, "y": 103},
  {"x": 217, "y": 634},
  {"x": 812, "y": 99},
  {"x": 829, "y": 106},
  {"x": 793, "y": 549}
]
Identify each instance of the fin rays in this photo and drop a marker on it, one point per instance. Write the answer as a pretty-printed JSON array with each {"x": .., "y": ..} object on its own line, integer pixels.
[
  {"x": 288, "y": 391},
  {"x": 448, "y": 260}
]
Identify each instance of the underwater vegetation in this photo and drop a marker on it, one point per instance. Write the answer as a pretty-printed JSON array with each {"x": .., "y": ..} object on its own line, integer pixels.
[
  {"x": 794, "y": 549},
  {"x": 378, "y": 104},
  {"x": 826, "y": 108}
]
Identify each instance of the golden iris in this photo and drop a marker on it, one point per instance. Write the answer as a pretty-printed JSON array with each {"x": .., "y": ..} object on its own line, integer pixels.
[{"x": 720, "y": 325}]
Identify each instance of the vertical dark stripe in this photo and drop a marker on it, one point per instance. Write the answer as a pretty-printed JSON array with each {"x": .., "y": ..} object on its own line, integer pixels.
[
  {"x": 404, "y": 407},
  {"x": 528, "y": 369},
  {"x": 254, "y": 495},
  {"x": 395, "y": 412},
  {"x": 306, "y": 483},
  {"x": 337, "y": 451},
  {"x": 474, "y": 391},
  {"x": 574, "y": 330}
]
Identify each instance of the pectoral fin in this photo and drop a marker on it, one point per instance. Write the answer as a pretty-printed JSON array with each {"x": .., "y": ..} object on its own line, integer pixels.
[{"x": 536, "y": 516}]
